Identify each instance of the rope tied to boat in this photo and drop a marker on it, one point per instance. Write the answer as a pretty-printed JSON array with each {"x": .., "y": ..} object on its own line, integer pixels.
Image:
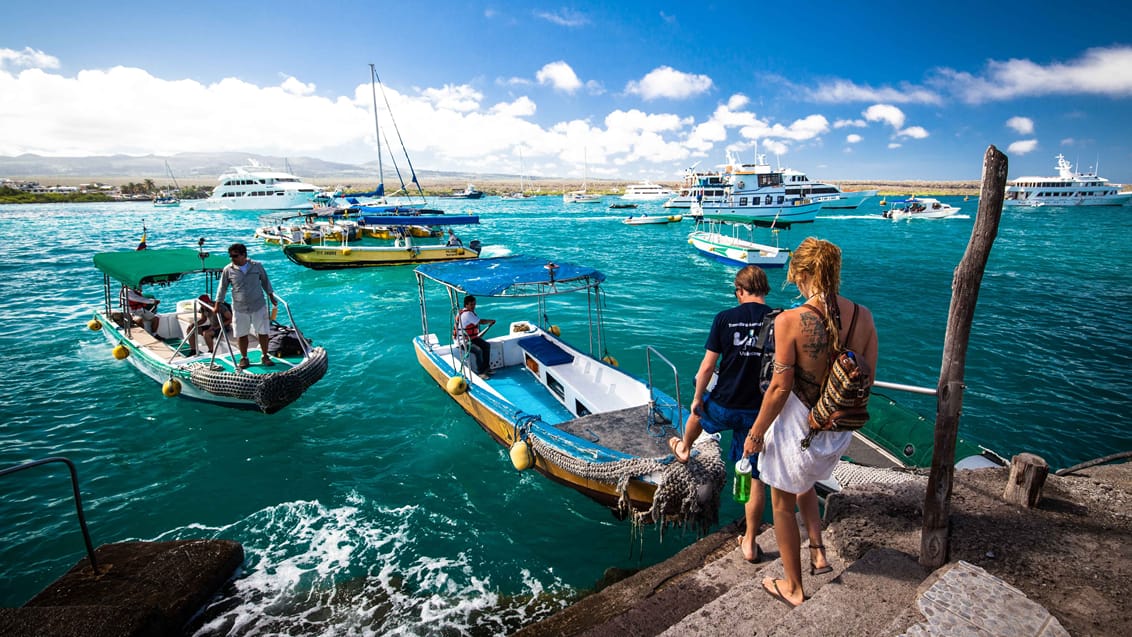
[
  {"x": 270, "y": 392},
  {"x": 686, "y": 494}
]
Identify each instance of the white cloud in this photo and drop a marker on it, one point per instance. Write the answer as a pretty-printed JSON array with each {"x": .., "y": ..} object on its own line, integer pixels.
[
  {"x": 775, "y": 147},
  {"x": 127, "y": 110},
  {"x": 1021, "y": 147},
  {"x": 737, "y": 101},
  {"x": 29, "y": 58},
  {"x": 295, "y": 87},
  {"x": 915, "y": 132},
  {"x": 665, "y": 81},
  {"x": 1021, "y": 125},
  {"x": 522, "y": 107},
  {"x": 894, "y": 145},
  {"x": 1099, "y": 71},
  {"x": 842, "y": 91},
  {"x": 559, "y": 76},
  {"x": 564, "y": 17},
  {"x": 886, "y": 113},
  {"x": 461, "y": 98},
  {"x": 853, "y": 138},
  {"x": 842, "y": 123}
]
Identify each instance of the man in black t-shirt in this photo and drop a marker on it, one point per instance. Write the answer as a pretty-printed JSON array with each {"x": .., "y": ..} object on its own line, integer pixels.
[{"x": 733, "y": 403}]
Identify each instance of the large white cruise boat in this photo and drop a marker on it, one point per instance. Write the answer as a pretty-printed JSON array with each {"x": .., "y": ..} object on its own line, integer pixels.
[
  {"x": 710, "y": 188},
  {"x": 701, "y": 187},
  {"x": 258, "y": 187},
  {"x": 830, "y": 195},
  {"x": 647, "y": 191},
  {"x": 759, "y": 195},
  {"x": 1069, "y": 188}
]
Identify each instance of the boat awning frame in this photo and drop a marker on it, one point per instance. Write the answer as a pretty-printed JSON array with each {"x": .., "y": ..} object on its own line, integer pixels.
[{"x": 512, "y": 276}]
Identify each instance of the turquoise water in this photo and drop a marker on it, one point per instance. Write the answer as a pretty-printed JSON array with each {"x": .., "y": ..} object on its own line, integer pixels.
[{"x": 374, "y": 505}]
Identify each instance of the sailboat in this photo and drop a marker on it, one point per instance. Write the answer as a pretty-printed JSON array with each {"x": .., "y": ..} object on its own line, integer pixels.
[
  {"x": 521, "y": 194},
  {"x": 582, "y": 196},
  {"x": 168, "y": 200},
  {"x": 378, "y": 202}
]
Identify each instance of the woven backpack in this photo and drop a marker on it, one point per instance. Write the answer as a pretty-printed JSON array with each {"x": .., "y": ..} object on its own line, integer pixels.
[{"x": 843, "y": 402}]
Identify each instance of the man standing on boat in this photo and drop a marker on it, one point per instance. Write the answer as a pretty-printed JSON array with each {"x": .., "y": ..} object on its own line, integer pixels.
[
  {"x": 249, "y": 308},
  {"x": 468, "y": 333}
]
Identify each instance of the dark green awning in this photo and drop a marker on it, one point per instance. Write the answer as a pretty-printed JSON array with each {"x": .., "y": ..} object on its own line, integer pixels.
[{"x": 136, "y": 267}]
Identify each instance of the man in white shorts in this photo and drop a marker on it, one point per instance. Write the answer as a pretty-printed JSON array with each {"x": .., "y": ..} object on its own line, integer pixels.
[{"x": 249, "y": 308}]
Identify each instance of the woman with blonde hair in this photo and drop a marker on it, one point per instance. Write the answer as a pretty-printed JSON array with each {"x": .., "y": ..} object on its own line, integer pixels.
[{"x": 805, "y": 337}]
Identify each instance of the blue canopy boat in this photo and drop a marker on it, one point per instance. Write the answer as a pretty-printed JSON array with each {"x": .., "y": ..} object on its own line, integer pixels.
[{"x": 573, "y": 417}]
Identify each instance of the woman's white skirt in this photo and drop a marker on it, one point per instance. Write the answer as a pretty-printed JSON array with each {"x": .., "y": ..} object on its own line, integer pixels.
[{"x": 784, "y": 465}]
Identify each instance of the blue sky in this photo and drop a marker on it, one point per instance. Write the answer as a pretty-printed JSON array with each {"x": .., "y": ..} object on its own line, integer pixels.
[{"x": 883, "y": 90}]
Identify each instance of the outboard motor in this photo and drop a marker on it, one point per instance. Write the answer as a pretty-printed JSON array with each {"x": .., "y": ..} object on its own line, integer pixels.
[{"x": 475, "y": 246}]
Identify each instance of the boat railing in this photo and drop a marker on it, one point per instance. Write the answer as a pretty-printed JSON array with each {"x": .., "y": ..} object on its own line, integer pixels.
[
  {"x": 649, "y": 352},
  {"x": 78, "y": 499},
  {"x": 914, "y": 389}
]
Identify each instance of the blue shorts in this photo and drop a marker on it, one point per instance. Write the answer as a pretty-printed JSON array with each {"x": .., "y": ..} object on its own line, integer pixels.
[{"x": 716, "y": 418}]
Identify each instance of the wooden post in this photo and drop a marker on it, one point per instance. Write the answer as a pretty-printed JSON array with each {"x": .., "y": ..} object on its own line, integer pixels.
[
  {"x": 934, "y": 549},
  {"x": 1027, "y": 476}
]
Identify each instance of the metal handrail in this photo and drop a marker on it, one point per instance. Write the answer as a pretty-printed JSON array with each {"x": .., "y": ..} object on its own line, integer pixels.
[
  {"x": 649, "y": 350},
  {"x": 914, "y": 389},
  {"x": 78, "y": 499}
]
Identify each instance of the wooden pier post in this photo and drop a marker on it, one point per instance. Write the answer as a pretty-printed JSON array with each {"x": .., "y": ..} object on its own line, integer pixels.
[
  {"x": 1027, "y": 477},
  {"x": 934, "y": 549}
]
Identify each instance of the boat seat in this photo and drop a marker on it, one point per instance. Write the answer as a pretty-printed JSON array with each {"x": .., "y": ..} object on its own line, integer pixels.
[{"x": 545, "y": 351}]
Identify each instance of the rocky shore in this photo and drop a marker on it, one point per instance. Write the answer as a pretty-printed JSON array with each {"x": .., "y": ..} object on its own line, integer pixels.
[{"x": 1069, "y": 555}]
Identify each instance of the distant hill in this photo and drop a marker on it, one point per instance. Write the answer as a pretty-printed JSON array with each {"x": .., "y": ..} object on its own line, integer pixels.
[{"x": 194, "y": 167}]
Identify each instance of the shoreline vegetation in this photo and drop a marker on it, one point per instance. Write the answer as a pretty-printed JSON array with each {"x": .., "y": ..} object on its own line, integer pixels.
[{"x": 440, "y": 188}]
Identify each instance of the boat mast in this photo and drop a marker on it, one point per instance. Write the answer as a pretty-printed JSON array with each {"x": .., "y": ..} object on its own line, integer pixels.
[{"x": 377, "y": 132}]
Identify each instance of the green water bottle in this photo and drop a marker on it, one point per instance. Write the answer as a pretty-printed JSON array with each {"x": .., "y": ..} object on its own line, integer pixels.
[{"x": 741, "y": 491}]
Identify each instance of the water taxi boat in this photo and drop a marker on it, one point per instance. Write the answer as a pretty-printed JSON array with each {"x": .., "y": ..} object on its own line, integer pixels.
[
  {"x": 648, "y": 220},
  {"x": 920, "y": 208},
  {"x": 734, "y": 244},
  {"x": 1069, "y": 188},
  {"x": 257, "y": 187},
  {"x": 404, "y": 249},
  {"x": 163, "y": 200},
  {"x": 575, "y": 418},
  {"x": 174, "y": 355},
  {"x": 647, "y": 191}
]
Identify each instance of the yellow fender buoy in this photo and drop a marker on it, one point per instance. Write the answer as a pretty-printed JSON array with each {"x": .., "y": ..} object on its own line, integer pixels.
[
  {"x": 120, "y": 351},
  {"x": 555, "y": 331},
  {"x": 609, "y": 360},
  {"x": 346, "y": 252},
  {"x": 521, "y": 455},
  {"x": 171, "y": 388},
  {"x": 94, "y": 325},
  {"x": 456, "y": 385}
]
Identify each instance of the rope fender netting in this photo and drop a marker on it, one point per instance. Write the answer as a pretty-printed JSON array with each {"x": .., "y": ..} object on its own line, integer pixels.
[
  {"x": 686, "y": 494},
  {"x": 270, "y": 392}
]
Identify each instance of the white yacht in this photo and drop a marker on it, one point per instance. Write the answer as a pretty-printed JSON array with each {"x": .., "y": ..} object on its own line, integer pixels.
[
  {"x": 647, "y": 191},
  {"x": 258, "y": 187},
  {"x": 1069, "y": 188},
  {"x": 758, "y": 194},
  {"x": 830, "y": 195},
  {"x": 702, "y": 187}
]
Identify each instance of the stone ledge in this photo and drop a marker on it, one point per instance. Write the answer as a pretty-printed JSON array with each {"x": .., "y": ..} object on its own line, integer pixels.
[{"x": 143, "y": 589}]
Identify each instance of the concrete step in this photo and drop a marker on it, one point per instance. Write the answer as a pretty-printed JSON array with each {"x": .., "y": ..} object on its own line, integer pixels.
[{"x": 745, "y": 609}]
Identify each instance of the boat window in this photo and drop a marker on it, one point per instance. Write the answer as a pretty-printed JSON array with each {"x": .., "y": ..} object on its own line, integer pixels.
[
  {"x": 742, "y": 201},
  {"x": 781, "y": 199},
  {"x": 580, "y": 409},
  {"x": 555, "y": 386}
]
